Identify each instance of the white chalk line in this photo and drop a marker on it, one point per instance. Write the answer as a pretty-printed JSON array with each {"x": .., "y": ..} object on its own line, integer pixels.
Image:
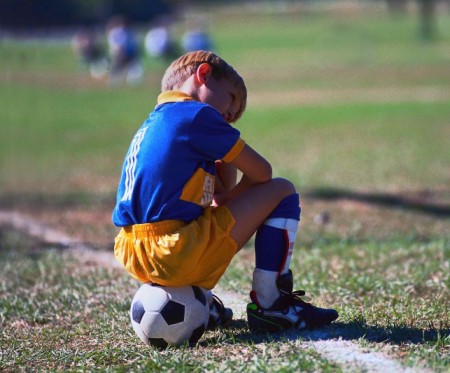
[
  {"x": 347, "y": 354},
  {"x": 48, "y": 235}
]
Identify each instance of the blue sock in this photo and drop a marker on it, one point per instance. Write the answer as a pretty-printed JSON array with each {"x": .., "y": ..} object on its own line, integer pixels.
[{"x": 274, "y": 238}]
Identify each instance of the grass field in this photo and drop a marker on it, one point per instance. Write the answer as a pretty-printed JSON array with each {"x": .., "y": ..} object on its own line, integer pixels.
[{"x": 353, "y": 107}]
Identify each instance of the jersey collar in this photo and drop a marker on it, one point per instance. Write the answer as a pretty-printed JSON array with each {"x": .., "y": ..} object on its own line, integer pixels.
[{"x": 173, "y": 96}]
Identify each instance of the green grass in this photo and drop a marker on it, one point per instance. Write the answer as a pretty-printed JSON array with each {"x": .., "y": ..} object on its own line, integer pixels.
[
  {"x": 379, "y": 146},
  {"x": 32, "y": 56},
  {"x": 368, "y": 146},
  {"x": 379, "y": 168},
  {"x": 58, "y": 313}
]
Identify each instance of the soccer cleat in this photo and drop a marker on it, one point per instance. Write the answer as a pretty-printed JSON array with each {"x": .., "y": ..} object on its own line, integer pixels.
[
  {"x": 288, "y": 311},
  {"x": 219, "y": 315}
]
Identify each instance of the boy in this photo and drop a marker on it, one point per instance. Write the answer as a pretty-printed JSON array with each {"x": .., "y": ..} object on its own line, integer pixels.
[{"x": 183, "y": 214}]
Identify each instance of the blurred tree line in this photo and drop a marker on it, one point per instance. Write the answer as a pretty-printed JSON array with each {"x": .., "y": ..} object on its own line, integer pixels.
[
  {"x": 20, "y": 14},
  {"x": 426, "y": 11}
]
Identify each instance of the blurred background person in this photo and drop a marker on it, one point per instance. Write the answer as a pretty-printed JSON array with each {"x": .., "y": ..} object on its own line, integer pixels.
[
  {"x": 90, "y": 52},
  {"x": 159, "y": 43},
  {"x": 123, "y": 51},
  {"x": 197, "y": 38}
]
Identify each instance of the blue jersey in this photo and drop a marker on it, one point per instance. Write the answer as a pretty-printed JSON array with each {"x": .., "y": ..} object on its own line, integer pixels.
[{"x": 169, "y": 170}]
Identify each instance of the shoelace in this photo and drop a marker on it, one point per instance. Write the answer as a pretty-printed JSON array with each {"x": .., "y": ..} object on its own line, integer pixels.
[{"x": 294, "y": 298}]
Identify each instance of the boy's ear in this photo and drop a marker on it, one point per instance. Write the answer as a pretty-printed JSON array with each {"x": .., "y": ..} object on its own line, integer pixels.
[{"x": 203, "y": 72}]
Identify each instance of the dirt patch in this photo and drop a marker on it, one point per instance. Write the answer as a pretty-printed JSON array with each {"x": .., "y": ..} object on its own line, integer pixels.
[
  {"x": 354, "y": 95},
  {"x": 421, "y": 214},
  {"x": 356, "y": 85},
  {"x": 66, "y": 81},
  {"x": 34, "y": 229}
]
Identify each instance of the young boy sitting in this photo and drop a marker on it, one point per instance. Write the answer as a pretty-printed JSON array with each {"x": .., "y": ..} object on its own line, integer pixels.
[{"x": 184, "y": 215}]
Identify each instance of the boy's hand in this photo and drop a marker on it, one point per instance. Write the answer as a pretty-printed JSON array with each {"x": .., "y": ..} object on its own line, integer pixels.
[{"x": 220, "y": 199}]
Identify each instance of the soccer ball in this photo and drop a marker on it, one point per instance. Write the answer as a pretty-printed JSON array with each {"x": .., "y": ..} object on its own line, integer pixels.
[{"x": 169, "y": 315}]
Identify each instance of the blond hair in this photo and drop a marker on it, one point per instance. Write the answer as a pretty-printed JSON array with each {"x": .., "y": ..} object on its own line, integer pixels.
[{"x": 185, "y": 66}]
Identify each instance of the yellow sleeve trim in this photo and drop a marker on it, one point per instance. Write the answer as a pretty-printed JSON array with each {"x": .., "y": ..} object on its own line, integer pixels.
[{"x": 235, "y": 150}]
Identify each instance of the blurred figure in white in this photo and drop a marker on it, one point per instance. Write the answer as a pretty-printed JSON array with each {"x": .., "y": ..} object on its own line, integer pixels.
[
  {"x": 159, "y": 43},
  {"x": 90, "y": 52},
  {"x": 124, "y": 52}
]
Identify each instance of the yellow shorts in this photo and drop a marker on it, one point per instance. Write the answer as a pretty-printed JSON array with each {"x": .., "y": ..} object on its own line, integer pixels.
[{"x": 172, "y": 253}]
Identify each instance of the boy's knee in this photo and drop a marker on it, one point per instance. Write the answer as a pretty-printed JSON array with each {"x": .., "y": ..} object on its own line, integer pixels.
[
  {"x": 288, "y": 208},
  {"x": 285, "y": 186}
]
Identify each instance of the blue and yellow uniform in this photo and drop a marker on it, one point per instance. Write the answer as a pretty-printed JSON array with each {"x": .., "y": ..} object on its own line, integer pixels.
[{"x": 170, "y": 234}]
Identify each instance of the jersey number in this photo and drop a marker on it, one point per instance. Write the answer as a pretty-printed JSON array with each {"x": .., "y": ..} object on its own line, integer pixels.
[{"x": 130, "y": 169}]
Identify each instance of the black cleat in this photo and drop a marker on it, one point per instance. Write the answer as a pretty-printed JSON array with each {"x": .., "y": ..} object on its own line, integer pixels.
[{"x": 289, "y": 311}]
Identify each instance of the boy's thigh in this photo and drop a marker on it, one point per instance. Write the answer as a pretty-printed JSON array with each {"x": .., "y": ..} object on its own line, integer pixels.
[{"x": 251, "y": 208}]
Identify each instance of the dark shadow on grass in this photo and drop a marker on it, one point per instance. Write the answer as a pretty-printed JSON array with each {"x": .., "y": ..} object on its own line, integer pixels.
[
  {"x": 37, "y": 201},
  {"x": 418, "y": 203},
  {"x": 237, "y": 332}
]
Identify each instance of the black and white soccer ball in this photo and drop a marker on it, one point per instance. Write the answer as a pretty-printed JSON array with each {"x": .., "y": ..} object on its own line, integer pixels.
[{"x": 163, "y": 316}]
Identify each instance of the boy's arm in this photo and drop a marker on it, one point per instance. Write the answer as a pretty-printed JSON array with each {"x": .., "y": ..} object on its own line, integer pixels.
[
  {"x": 254, "y": 167},
  {"x": 226, "y": 177},
  {"x": 255, "y": 170}
]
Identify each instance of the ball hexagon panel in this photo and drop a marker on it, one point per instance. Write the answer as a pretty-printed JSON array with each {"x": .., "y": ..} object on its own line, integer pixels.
[
  {"x": 153, "y": 325},
  {"x": 153, "y": 298},
  {"x": 139, "y": 332}
]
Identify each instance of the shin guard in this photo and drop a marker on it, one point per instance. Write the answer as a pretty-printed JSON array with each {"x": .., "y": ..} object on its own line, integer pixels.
[{"x": 274, "y": 243}]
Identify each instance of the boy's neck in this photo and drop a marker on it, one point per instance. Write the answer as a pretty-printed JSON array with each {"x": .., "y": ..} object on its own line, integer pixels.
[{"x": 190, "y": 88}]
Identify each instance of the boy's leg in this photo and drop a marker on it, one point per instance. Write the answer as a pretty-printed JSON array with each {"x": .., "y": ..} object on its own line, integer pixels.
[
  {"x": 275, "y": 306},
  {"x": 251, "y": 208}
]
